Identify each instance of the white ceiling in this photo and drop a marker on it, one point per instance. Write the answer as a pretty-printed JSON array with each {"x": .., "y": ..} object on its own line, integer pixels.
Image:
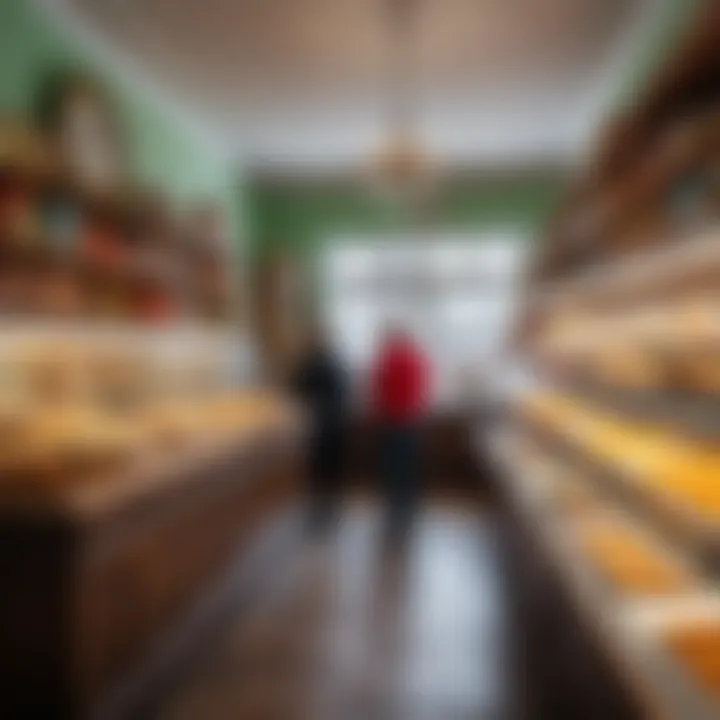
[{"x": 303, "y": 83}]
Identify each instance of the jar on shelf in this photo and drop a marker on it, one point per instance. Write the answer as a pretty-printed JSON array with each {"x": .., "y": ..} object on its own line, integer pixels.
[
  {"x": 62, "y": 222},
  {"x": 155, "y": 303},
  {"x": 18, "y": 214},
  {"x": 103, "y": 243}
]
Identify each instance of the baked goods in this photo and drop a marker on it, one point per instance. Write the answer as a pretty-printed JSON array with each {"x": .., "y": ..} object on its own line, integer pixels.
[
  {"x": 682, "y": 471},
  {"x": 629, "y": 559},
  {"x": 671, "y": 345},
  {"x": 696, "y": 645},
  {"x": 76, "y": 406}
]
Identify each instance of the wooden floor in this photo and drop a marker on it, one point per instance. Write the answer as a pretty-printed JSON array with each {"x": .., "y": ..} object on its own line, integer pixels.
[{"x": 349, "y": 630}]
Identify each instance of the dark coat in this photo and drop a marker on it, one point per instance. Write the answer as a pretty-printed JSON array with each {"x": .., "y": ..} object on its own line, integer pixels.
[{"x": 321, "y": 383}]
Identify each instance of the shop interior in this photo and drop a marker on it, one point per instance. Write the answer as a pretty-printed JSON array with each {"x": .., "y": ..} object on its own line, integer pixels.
[{"x": 359, "y": 360}]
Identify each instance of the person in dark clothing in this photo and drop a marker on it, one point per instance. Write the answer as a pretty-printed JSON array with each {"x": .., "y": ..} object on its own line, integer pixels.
[{"x": 321, "y": 383}]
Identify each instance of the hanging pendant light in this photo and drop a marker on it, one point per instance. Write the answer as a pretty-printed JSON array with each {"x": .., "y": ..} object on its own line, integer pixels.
[{"x": 402, "y": 167}]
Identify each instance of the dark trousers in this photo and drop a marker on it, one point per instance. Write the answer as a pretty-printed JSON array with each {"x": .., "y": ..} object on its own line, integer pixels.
[
  {"x": 327, "y": 452},
  {"x": 400, "y": 470}
]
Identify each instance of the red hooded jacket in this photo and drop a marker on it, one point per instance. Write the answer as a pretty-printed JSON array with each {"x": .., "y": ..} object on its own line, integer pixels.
[{"x": 400, "y": 381}]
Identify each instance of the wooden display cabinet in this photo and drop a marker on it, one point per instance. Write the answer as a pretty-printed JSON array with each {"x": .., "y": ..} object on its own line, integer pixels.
[{"x": 99, "y": 583}]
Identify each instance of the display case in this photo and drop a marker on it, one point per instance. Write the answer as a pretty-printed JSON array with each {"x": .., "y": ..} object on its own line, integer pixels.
[
  {"x": 609, "y": 456},
  {"x": 140, "y": 456},
  {"x": 138, "y": 468}
]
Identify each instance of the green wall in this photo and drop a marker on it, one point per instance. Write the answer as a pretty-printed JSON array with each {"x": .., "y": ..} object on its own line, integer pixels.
[
  {"x": 297, "y": 218},
  {"x": 162, "y": 154}
]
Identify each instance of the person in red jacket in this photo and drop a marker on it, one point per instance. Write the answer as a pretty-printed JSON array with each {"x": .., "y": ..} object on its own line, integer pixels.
[{"x": 400, "y": 386}]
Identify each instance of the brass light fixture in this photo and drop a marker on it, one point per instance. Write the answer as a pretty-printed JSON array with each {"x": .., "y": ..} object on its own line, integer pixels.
[{"x": 402, "y": 167}]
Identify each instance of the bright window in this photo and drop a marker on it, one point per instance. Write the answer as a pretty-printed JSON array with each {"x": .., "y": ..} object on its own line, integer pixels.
[{"x": 454, "y": 292}]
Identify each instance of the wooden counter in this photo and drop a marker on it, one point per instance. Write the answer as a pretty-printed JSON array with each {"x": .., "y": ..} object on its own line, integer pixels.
[{"x": 98, "y": 580}]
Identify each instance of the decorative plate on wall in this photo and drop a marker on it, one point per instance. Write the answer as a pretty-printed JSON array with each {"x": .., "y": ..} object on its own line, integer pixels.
[{"x": 79, "y": 117}]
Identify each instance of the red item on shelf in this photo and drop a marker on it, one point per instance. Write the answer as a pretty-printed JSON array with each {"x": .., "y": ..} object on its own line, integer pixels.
[
  {"x": 103, "y": 246},
  {"x": 156, "y": 305},
  {"x": 61, "y": 295},
  {"x": 16, "y": 213}
]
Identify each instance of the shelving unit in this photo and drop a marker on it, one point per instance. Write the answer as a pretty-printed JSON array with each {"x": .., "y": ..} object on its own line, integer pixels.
[
  {"x": 698, "y": 534},
  {"x": 692, "y": 415},
  {"x": 141, "y": 459},
  {"x": 660, "y": 686},
  {"x": 126, "y": 243},
  {"x": 642, "y": 276},
  {"x": 616, "y": 440}
]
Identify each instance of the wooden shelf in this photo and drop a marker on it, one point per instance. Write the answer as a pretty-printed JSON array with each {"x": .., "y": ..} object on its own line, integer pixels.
[
  {"x": 141, "y": 221},
  {"x": 698, "y": 536},
  {"x": 39, "y": 258},
  {"x": 692, "y": 415},
  {"x": 659, "y": 683},
  {"x": 43, "y": 256},
  {"x": 631, "y": 264},
  {"x": 641, "y": 277},
  {"x": 668, "y": 132}
]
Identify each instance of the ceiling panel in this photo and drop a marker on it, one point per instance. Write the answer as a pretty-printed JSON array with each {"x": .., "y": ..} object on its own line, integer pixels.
[{"x": 248, "y": 63}]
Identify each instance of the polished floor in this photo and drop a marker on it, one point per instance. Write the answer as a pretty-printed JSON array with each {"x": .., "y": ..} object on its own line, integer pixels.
[{"x": 351, "y": 629}]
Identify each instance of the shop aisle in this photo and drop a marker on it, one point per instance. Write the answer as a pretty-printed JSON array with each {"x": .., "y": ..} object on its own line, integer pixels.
[{"x": 349, "y": 631}]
